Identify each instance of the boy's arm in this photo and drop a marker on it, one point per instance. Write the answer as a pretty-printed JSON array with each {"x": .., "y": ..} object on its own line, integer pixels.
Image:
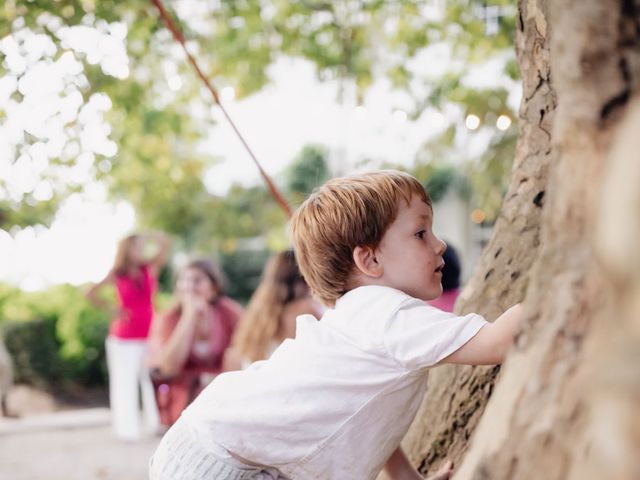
[
  {"x": 490, "y": 345},
  {"x": 398, "y": 467}
]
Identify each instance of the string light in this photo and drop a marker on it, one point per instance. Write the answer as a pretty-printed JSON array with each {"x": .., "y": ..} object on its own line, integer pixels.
[
  {"x": 472, "y": 122},
  {"x": 478, "y": 216},
  {"x": 503, "y": 122}
]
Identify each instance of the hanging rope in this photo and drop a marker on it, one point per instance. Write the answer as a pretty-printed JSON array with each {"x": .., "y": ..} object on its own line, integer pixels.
[{"x": 177, "y": 35}]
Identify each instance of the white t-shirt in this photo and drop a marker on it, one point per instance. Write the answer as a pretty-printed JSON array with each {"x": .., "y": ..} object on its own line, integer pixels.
[{"x": 335, "y": 402}]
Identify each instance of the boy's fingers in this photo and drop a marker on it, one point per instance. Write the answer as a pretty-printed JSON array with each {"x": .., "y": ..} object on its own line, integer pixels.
[
  {"x": 444, "y": 472},
  {"x": 440, "y": 476},
  {"x": 446, "y": 467}
]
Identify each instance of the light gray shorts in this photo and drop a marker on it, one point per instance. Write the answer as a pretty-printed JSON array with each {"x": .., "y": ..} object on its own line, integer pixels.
[{"x": 180, "y": 457}]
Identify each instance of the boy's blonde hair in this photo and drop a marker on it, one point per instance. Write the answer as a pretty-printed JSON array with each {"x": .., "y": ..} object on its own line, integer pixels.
[{"x": 339, "y": 216}]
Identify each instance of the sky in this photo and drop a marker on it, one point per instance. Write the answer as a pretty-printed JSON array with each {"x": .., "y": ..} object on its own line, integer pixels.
[{"x": 294, "y": 110}]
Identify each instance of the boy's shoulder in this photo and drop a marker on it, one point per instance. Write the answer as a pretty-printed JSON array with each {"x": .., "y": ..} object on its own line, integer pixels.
[{"x": 375, "y": 300}]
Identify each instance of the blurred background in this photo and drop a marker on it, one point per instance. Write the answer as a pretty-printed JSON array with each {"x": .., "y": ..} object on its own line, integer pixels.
[{"x": 105, "y": 129}]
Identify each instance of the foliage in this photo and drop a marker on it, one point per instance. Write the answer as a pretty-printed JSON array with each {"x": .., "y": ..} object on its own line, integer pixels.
[
  {"x": 439, "y": 181},
  {"x": 154, "y": 165},
  {"x": 28, "y": 213},
  {"x": 489, "y": 178},
  {"x": 308, "y": 171},
  {"x": 81, "y": 330},
  {"x": 54, "y": 335},
  {"x": 243, "y": 269},
  {"x": 484, "y": 177},
  {"x": 157, "y": 166},
  {"x": 244, "y": 213},
  {"x": 34, "y": 351}
]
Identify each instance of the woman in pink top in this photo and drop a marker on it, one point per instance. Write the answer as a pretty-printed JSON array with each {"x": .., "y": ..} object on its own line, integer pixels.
[
  {"x": 135, "y": 277},
  {"x": 188, "y": 342}
]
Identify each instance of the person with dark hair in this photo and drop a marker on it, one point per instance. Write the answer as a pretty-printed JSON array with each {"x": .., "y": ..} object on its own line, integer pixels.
[
  {"x": 270, "y": 317},
  {"x": 450, "y": 280},
  {"x": 134, "y": 274},
  {"x": 188, "y": 343}
]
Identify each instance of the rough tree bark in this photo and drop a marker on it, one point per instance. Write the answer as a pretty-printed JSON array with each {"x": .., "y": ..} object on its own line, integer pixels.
[
  {"x": 565, "y": 405},
  {"x": 457, "y": 395}
]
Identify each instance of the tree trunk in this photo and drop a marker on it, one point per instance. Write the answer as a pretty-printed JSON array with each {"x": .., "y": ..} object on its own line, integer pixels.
[{"x": 563, "y": 407}]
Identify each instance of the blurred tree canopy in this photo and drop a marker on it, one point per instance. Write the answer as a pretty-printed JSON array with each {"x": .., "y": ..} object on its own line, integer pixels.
[
  {"x": 308, "y": 170},
  {"x": 135, "y": 81}
]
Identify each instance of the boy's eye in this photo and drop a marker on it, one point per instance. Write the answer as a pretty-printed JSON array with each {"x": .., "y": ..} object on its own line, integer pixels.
[{"x": 420, "y": 234}]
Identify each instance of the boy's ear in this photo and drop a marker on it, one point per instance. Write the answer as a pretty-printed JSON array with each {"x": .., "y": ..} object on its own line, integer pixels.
[{"x": 366, "y": 262}]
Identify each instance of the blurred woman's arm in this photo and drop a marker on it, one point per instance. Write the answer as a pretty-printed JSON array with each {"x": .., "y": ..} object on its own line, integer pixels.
[
  {"x": 93, "y": 292},
  {"x": 170, "y": 348},
  {"x": 163, "y": 245}
]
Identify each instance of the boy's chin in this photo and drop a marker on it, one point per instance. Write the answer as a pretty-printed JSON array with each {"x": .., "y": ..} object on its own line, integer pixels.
[{"x": 429, "y": 296}]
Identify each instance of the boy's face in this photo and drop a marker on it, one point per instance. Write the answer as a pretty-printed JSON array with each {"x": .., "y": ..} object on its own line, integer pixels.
[{"x": 410, "y": 254}]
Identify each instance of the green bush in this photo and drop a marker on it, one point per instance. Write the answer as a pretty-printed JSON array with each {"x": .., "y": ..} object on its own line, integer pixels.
[
  {"x": 18, "y": 306},
  {"x": 243, "y": 269},
  {"x": 81, "y": 330},
  {"x": 34, "y": 351},
  {"x": 56, "y": 337}
]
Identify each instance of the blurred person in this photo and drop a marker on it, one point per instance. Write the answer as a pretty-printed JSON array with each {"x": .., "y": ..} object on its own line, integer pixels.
[
  {"x": 271, "y": 315},
  {"x": 134, "y": 274},
  {"x": 450, "y": 280},
  {"x": 189, "y": 341}
]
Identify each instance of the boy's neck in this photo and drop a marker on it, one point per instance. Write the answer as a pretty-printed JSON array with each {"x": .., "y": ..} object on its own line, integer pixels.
[{"x": 364, "y": 281}]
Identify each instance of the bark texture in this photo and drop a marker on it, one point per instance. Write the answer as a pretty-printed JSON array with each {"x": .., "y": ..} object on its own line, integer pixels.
[
  {"x": 457, "y": 395},
  {"x": 567, "y": 242}
]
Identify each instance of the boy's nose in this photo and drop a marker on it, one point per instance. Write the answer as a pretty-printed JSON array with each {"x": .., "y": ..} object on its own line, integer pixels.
[{"x": 441, "y": 246}]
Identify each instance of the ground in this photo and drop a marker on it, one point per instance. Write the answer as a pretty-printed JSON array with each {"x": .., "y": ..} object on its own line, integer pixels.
[{"x": 54, "y": 441}]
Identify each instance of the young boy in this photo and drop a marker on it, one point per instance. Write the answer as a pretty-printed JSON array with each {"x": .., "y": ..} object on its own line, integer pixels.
[{"x": 335, "y": 402}]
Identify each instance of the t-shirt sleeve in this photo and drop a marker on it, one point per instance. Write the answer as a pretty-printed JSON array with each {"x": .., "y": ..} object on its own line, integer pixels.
[{"x": 419, "y": 335}]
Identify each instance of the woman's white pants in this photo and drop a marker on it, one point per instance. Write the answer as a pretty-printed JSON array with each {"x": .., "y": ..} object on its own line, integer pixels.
[{"x": 128, "y": 378}]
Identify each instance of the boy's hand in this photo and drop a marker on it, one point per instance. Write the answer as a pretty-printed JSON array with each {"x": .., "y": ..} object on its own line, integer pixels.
[
  {"x": 398, "y": 467},
  {"x": 444, "y": 473},
  {"x": 490, "y": 345}
]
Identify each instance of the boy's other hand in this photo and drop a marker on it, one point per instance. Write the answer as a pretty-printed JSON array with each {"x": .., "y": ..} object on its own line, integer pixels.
[{"x": 444, "y": 472}]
